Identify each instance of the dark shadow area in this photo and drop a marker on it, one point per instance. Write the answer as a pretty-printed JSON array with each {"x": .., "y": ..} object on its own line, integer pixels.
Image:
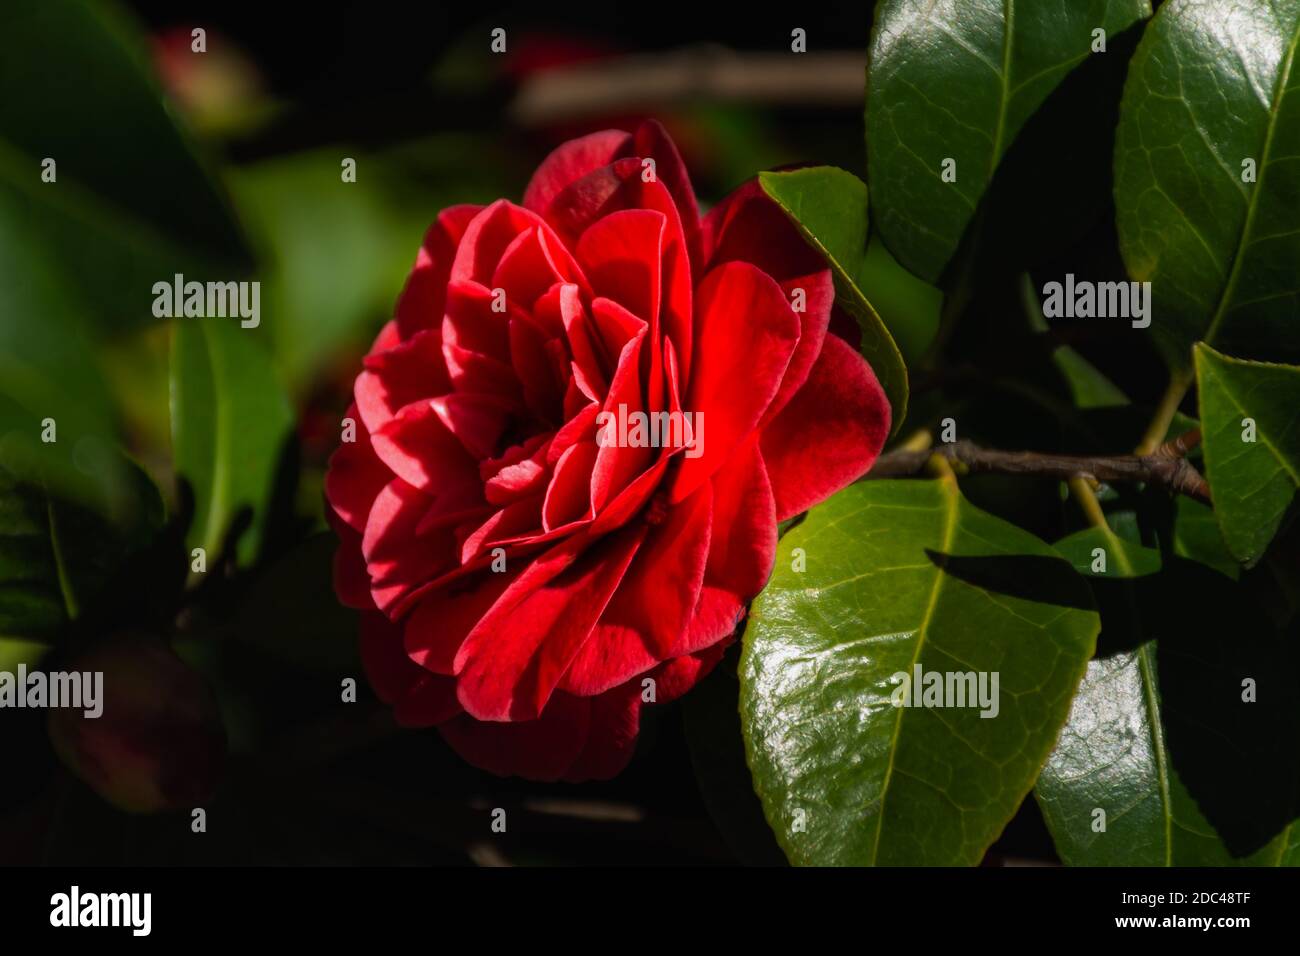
[
  {"x": 1236, "y": 757},
  {"x": 711, "y": 717},
  {"x": 1029, "y": 577},
  {"x": 1049, "y": 209}
]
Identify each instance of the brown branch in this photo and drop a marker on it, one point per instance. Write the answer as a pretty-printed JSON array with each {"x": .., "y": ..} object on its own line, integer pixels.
[
  {"x": 1175, "y": 473},
  {"x": 1180, "y": 446}
]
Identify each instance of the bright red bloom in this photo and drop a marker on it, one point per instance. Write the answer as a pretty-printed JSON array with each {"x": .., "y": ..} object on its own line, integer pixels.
[{"x": 477, "y": 431}]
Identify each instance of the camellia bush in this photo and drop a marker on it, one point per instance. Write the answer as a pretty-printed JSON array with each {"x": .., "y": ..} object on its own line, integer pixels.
[{"x": 945, "y": 492}]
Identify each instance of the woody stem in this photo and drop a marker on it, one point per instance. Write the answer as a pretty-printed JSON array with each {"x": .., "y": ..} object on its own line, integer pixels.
[{"x": 1165, "y": 467}]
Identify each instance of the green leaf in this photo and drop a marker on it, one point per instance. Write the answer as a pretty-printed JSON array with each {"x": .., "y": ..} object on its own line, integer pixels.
[
  {"x": 31, "y": 599},
  {"x": 1088, "y": 386},
  {"x": 829, "y": 206},
  {"x": 130, "y": 204},
  {"x": 57, "y": 557},
  {"x": 1253, "y": 482},
  {"x": 50, "y": 384},
  {"x": 901, "y": 574},
  {"x": 909, "y": 307},
  {"x": 336, "y": 253},
  {"x": 1196, "y": 536},
  {"x": 230, "y": 419},
  {"x": 14, "y": 651},
  {"x": 1186, "y": 772},
  {"x": 1210, "y": 88},
  {"x": 958, "y": 80}
]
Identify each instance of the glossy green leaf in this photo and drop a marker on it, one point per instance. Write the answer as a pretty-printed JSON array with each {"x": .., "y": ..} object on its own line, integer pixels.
[
  {"x": 230, "y": 419},
  {"x": 902, "y": 574},
  {"x": 1162, "y": 762},
  {"x": 829, "y": 206},
  {"x": 958, "y": 79},
  {"x": 1206, "y": 178},
  {"x": 130, "y": 204},
  {"x": 1253, "y": 471}
]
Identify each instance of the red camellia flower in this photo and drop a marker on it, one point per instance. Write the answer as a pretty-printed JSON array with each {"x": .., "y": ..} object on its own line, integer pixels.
[{"x": 527, "y": 582}]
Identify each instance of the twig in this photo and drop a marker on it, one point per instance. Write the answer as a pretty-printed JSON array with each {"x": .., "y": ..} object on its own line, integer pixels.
[
  {"x": 1175, "y": 473},
  {"x": 1179, "y": 383},
  {"x": 690, "y": 75},
  {"x": 1180, "y": 446}
]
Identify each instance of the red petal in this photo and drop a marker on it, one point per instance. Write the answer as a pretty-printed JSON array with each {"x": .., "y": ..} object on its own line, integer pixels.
[
  {"x": 575, "y": 738},
  {"x": 653, "y": 140},
  {"x": 421, "y": 302},
  {"x": 572, "y": 161},
  {"x": 522, "y": 472},
  {"x": 580, "y": 427},
  {"x": 439, "y": 623},
  {"x": 568, "y": 498},
  {"x": 830, "y": 433},
  {"x": 616, "y": 714},
  {"x": 747, "y": 333},
  {"x": 543, "y": 386},
  {"x": 679, "y": 675},
  {"x": 355, "y": 476},
  {"x": 611, "y": 735},
  {"x": 398, "y": 559},
  {"x": 477, "y": 422},
  {"x": 540, "y": 749},
  {"x": 387, "y": 667},
  {"x": 487, "y": 237},
  {"x": 747, "y": 226},
  {"x": 515, "y": 519},
  {"x": 597, "y": 194},
  {"x": 617, "y": 465},
  {"x": 534, "y": 262},
  {"x": 419, "y": 699},
  {"x": 611, "y": 656},
  {"x": 654, "y": 603},
  {"x": 514, "y": 657},
  {"x": 420, "y": 449},
  {"x": 631, "y": 499},
  {"x": 620, "y": 253},
  {"x": 743, "y": 544},
  {"x": 481, "y": 374},
  {"x": 396, "y": 377},
  {"x": 590, "y": 364},
  {"x": 472, "y": 324},
  {"x": 351, "y": 580},
  {"x": 621, "y": 187},
  {"x": 716, "y": 617},
  {"x": 615, "y": 324}
]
